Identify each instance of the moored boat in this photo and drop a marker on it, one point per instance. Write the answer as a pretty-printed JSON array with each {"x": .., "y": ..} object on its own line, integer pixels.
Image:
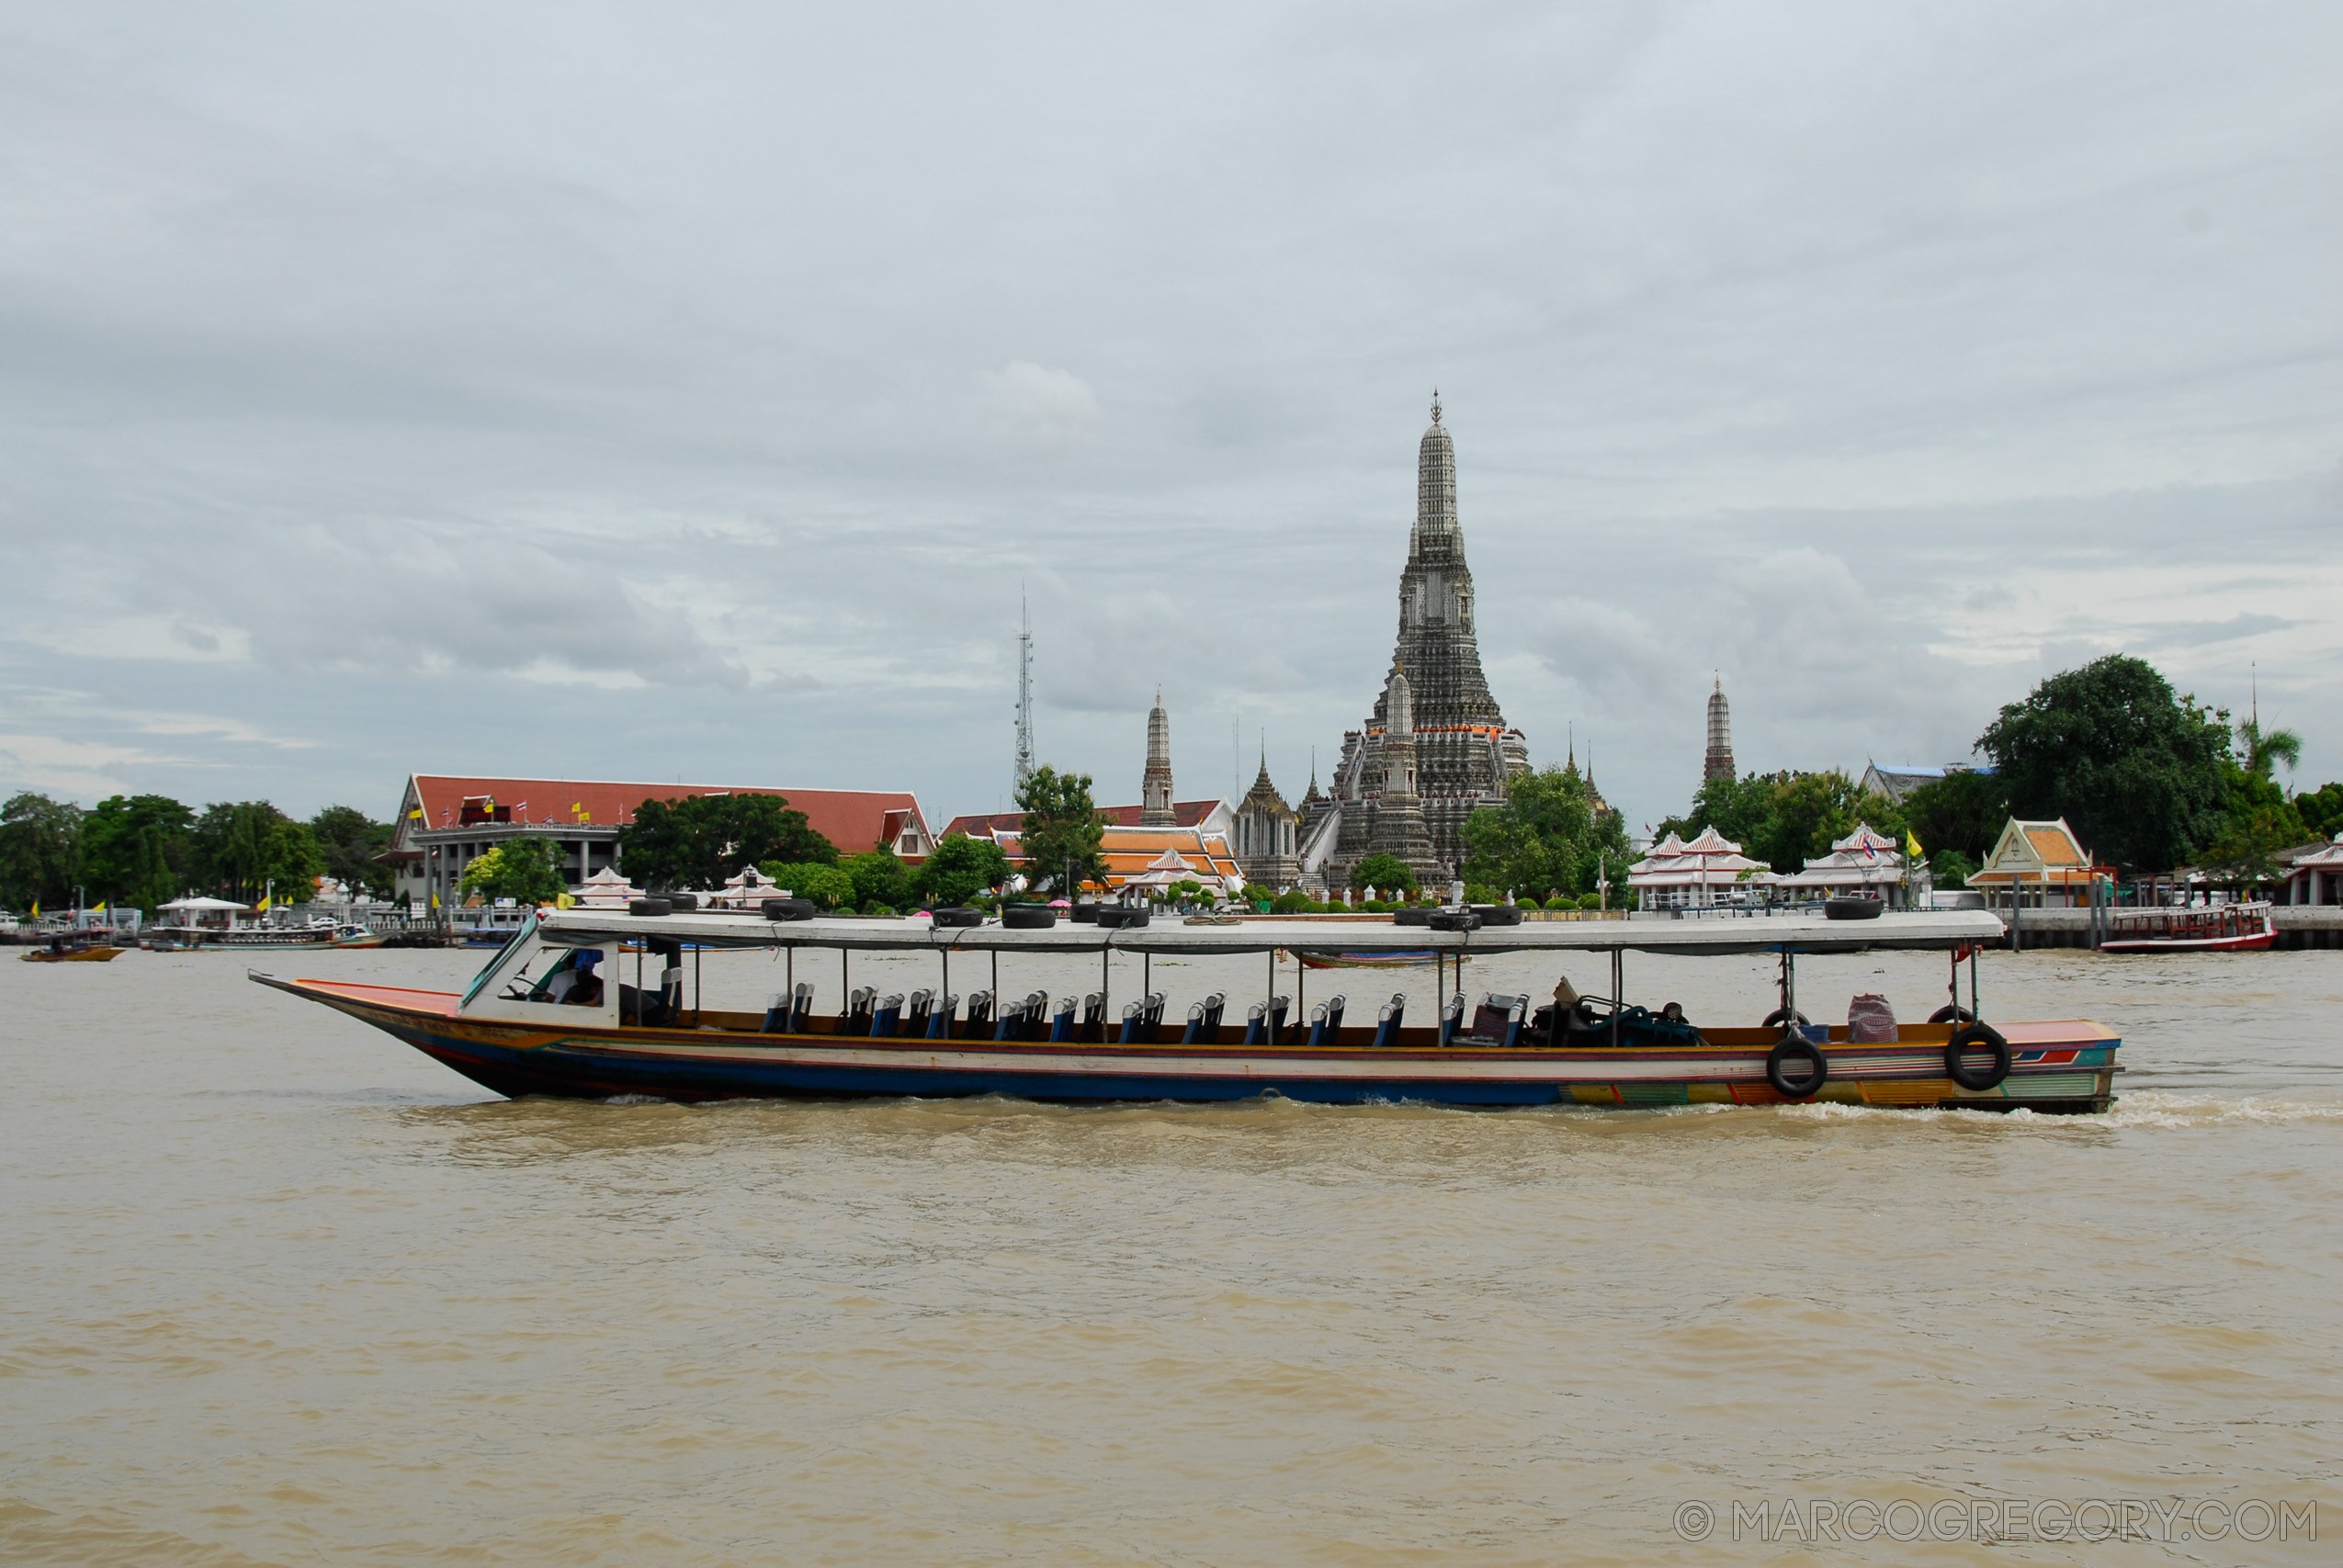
[
  {"x": 540, "y": 1019},
  {"x": 2194, "y": 927}
]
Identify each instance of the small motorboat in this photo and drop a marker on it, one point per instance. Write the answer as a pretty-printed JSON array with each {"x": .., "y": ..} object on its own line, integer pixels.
[{"x": 76, "y": 947}]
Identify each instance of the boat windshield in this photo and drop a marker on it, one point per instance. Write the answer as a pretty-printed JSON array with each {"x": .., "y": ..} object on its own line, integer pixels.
[{"x": 496, "y": 959}]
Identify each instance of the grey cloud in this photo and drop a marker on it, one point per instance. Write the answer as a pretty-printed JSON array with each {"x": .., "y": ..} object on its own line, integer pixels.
[
  {"x": 2199, "y": 634},
  {"x": 758, "y": 356}
]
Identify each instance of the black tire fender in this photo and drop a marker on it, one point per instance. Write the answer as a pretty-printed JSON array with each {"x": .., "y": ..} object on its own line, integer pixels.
[
  {"x": 1781, "y": 1015},
  {"x": 1797, "y": 1047},
  {"x": 1951, "y": 1015},
  {"x": 1969, "y": 1038}
]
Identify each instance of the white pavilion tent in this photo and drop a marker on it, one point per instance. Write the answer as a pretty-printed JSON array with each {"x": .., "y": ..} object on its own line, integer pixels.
[
  {"x": 1862, "y": 861},
  {"x": 1676, "y": 874}
]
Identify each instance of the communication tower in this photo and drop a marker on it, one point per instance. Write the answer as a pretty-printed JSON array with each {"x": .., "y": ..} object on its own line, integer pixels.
[{"x": 1025, "y": 692}]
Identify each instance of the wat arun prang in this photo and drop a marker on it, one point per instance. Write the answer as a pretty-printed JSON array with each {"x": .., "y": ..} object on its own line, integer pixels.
[{"x": 1436, "y": 749}]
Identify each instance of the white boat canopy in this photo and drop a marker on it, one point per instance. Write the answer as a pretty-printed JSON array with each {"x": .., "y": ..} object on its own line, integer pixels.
[
  {"x": 204, "y": 906},
  {"x": 1704, "y": 935}
]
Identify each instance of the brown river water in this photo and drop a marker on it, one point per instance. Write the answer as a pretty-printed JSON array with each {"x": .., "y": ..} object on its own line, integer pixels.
[{"x": 279, "y": 1289}]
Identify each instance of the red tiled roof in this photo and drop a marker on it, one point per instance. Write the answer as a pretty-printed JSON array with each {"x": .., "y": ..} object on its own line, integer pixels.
[{"x": 852, "y": 819}]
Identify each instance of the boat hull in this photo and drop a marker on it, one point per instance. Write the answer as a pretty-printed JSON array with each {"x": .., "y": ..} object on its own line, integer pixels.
[
  {"x": 94, "y": 953},
  {"x": 2254, "y": 942},
  {"x": 2056, "y": 1068}
]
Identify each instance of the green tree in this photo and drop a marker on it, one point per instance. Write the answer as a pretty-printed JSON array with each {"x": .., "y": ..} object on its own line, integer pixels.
[
  {"x": 2133, "y": 768},
  {"x": 825, "y": 885},
  {"x": 881, "y": 880},
  {"x": 353, "y": 843},
  {"x": 1785, "y": 819},
  {"x": 703, "y": 840},
  {"x": 1383, "y": 872},
  {"x": 1548, "y": 837},
  {"x": 245, "y": 849},
  {"x": 137, "y": 849},
  {"x": 40, "y": 852},
  {"x": 960, "y": 868},
  {"x": 1062, "y": 831},
  {"x": 1809, "y": 811},
  {"x": 1738, "y": 809},
  {"x": 2259, "y": 822},
  {"x": 1960, "y": 813},
  {"x": 2321, "y": 810},
  {"x": 1951, "y": 869},
  {"x": 522, "y": 869}
]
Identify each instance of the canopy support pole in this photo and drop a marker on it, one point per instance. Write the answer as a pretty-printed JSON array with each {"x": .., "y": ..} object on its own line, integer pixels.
[
  {"x": 1618, "y": 990},
  {"x": 1301, "y": 994}
]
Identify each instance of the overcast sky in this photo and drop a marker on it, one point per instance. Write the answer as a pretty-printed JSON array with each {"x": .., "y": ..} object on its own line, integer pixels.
[{"x": 688, "y": 391}]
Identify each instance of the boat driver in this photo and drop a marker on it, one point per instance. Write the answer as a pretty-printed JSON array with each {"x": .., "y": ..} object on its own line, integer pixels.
[
  {"x": 1548, "y": 1022},
  {"x": 575, "y": 983}
]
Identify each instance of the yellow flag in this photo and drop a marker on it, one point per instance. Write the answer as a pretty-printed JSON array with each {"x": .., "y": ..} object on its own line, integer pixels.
[
  {"x": 1911, "y": 844},
  {"x": 564, "y": 901},
  {"x": 435, "y": 900},
  {"x": 100, "y": 909},
  {"x": 261, "y": 907},
  {"x": 36, "y": 908},
  {"x": 416, "y": 814}
]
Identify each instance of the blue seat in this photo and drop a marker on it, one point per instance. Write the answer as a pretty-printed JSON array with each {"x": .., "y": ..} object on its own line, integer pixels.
[
  {"x": 915, "y": 1013},
  {"x": 801, "y": 1008},
  {"x": 1061, "y": 1028},
  {"x": 939, "y": 1020},
  {"x": 1257, "y": 1024},
  {"x": 1325, "y": 1019},
  {"x": 1203, "y": 1020},
  {"x": 777, "y": 1015},
  {"x": 1452, "y": 1017},
  {"x": 1386, "y": 1025},
  {"x": 1029, "y": 1020},
  {"x": 887, "y": 1017}
]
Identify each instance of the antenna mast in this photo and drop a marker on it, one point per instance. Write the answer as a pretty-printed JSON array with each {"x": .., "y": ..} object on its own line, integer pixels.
[{"x": 1025, "y": 692}]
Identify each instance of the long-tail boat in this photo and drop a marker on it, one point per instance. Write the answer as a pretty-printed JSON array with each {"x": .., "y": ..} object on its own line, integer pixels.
[{"x": 556, "y": 1013}]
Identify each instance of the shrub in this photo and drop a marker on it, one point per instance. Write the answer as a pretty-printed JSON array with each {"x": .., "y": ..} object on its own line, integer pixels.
[{"x": 1561, "y": 901}]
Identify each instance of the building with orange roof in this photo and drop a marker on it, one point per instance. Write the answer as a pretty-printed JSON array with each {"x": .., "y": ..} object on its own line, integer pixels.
[
  {"x": 2042, "y": 863},
  {"x": 1133, "y": 854},
  {"x": 446, "y": 820}
]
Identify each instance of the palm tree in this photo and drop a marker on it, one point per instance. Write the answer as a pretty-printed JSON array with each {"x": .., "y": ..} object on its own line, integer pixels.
[{"x": 2266, "y": 749}]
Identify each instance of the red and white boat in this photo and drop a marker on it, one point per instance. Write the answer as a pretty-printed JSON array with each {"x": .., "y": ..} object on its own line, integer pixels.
[{"x": 2195, "y": 928}]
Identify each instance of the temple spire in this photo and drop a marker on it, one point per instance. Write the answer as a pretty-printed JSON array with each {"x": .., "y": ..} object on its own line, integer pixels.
[
  {"x": 1718, "y": 764},
  {"x": 1155, "y": 785}
]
